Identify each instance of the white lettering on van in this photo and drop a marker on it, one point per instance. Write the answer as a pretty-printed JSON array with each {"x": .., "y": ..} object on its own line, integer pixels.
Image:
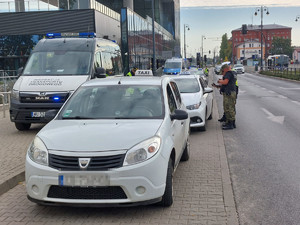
[{"x": 45, "y": 82}]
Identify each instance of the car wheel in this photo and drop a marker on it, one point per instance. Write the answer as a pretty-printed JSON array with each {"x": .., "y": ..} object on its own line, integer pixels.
[
  {"x": 186, "y": 152},
  {"x": 167, "y": 198},
  {"x": 23, "y": 126},
  {"x": 210, "y": 116}
]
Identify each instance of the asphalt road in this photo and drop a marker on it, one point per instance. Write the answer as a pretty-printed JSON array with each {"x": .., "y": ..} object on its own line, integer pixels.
[{"x": 264, "y": 151}]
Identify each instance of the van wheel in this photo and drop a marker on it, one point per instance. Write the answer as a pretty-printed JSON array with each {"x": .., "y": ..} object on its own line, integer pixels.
[
  {"x": 23, "y": 126},
  {"x": 186, "y": 152},
  {"x": 167, "y": 198}
]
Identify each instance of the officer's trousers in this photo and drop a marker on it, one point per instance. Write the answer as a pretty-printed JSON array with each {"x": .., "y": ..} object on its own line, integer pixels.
[{"x": 229, "y": 102}]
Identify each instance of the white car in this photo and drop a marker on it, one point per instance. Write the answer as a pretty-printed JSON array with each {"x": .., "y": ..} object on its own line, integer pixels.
[
  {"x": 239, "y": 68},
  {"x": 116, "y": 141},
  {"x": 197, "y": 97}
]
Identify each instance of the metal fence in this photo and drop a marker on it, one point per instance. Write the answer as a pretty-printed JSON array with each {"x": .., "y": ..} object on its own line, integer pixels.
[
  {"x": 283, "y": 72},
  {"x": 7, "y": 81}
]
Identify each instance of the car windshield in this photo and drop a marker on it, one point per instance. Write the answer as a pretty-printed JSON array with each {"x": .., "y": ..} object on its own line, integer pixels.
[
  {"x": 59, "y": 63},
  {"x": 238, "y": 65},
  {"x": 188, "y": 85},
  {"x": 115, "y": 102},
  {"x": 170, "y": 65}
]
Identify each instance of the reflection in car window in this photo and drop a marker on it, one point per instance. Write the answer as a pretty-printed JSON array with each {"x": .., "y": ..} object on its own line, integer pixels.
[
  {"x": 171, "y": 100},
  {"x": 190, "y": 85},
  {"x": 115, "y": 102},
  {"x": 176, "y": 92}
]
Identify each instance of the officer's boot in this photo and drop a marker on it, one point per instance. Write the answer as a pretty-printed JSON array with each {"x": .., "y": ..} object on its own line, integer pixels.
[
  {"x": 233, "y": 124},
  {"x": 228, "y": 126},
  {"x": 223, "y": 118}
]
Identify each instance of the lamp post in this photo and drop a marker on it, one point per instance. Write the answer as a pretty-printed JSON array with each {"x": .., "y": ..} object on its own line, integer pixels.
[
  {"x": 184, "y": 47},
  {"x": 153, "y": 40},
  {"x": 261, "y": 9},
  {"x": 203, "y": 37}
]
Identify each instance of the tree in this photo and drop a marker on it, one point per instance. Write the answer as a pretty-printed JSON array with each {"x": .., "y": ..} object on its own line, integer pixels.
[
  {"x": 281, "y": 46},
  {"x": 226, "y": 48}
]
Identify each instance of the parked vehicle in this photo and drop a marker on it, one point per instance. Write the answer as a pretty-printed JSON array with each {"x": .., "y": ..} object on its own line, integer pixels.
[
  {"x": 174, "y": 66},
  {"x": 56, "y": 67},
  {"x": 278, "y": 61},
  {"x": 116, "y": 142},
  {"x": 239, "y": 68},
  {"x": 217, "y": 69},
  {"x": 197, "y": 97}
]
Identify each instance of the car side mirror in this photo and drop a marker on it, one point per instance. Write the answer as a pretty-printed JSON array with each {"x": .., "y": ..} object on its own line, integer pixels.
[
  {"x": 50, "y": 114},
  {"x": 179, "y": 115},
  {"x": 100, "y": 72},
  {"x": 20, "y": 71},
  {"x": 208, "y": 90}
]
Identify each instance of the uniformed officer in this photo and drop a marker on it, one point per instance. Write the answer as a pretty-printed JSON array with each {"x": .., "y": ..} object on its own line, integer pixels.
[
  {"x": 132, "y": 72},
  {"x": 229, "y": 95}
]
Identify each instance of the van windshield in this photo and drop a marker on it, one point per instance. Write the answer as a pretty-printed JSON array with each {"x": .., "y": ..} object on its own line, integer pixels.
[
  {"x": 170, "y": 65},
  {"x": 59, "y": 63}
]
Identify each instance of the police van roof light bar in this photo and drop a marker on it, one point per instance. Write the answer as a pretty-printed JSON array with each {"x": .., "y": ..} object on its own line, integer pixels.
[{"x": 81, "y": 35}]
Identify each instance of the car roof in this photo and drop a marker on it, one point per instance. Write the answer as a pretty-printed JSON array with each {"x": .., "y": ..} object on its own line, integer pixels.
[
  {"x": 145, "y": 80},
  {"x": 191, "y": 76}
]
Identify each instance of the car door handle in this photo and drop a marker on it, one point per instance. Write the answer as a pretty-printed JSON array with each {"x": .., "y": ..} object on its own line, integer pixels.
[{"x": 182, "y": 123}]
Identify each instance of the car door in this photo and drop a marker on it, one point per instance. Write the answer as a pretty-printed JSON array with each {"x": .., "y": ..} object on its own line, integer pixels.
[
  {"x": 182, "y": 125},
  {"x": 207, "y": 97}
]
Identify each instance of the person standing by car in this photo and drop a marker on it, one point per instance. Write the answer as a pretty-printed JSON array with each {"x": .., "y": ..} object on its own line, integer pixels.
[
  {"x": 132, "y": 72},
  {"x": 229, "y": 96}
]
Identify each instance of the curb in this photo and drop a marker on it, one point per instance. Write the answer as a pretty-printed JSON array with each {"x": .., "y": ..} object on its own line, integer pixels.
[{"x": 12, "y": 182}]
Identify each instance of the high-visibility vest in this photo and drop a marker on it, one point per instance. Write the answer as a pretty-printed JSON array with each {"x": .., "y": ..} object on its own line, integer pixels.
[{"x": 129, "y": 74}]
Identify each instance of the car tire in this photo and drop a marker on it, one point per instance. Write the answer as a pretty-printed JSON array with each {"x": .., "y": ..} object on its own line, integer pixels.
[
  {"x": 22, "y": 126},
  {"x": 186, "y": 152},
  {"x": 210, "y": 116},
  {"x": 167, "y": 198}
]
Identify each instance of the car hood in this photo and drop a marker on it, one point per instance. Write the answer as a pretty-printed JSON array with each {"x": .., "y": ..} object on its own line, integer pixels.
[
  {"x": 97, "y": 135},
  {"x": 190, "y": 98}
]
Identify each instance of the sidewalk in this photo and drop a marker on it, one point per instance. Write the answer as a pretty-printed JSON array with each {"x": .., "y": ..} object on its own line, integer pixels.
[{"x": 202, "y": 186}]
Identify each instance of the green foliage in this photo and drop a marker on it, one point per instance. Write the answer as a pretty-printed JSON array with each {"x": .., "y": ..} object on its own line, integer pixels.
[
  {"x": 226, "y": 48},
  {"x": 281, "y": 46}
]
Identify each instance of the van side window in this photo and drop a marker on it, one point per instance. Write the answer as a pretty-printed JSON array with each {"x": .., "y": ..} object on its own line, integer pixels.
[
  {"x": 117, "y": 63},
  {"x": 107, "y": 63}
]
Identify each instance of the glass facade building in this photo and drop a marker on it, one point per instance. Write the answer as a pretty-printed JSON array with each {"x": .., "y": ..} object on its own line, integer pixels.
[{"x": 24, "y": 22}]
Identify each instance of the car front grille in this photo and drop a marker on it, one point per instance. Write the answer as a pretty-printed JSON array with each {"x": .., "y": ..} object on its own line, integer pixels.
[
  {"x": 112, "y": 192},
  {"x": 69, "y": 163},
  {"x": 43, "y": 97}
]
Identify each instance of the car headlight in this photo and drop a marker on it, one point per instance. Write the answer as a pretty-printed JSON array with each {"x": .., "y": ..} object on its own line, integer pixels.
[
  {"x": 192, "y": 107},
  {"x": 38, "y": 152},
  {"x": 142, "y": 151},
  {"x": 15, "y": 94}
]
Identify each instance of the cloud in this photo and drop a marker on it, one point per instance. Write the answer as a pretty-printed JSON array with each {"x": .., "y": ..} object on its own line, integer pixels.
[{"x": 237, "y": 3}]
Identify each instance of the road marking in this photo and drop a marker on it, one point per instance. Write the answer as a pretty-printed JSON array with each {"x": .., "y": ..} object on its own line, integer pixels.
[
  {"x": 289, "y": 88},
  {"x": 296, "y": 102},
  {"x": 281, "y": 96},
  {"x": 276, "y": 119},
  {"x": 272, "y": 92}
]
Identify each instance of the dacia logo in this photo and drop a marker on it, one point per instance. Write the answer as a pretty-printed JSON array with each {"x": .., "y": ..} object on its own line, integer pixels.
[{"x": 84, "y": 162}]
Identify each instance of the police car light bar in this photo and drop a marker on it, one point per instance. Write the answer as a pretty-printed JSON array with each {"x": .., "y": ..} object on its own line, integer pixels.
[{"x": 60, "y": 35}]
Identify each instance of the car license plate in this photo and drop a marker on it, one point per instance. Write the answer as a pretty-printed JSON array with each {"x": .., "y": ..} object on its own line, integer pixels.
[
  {"x": 38, "y": 114},
  {"x": 83, "y": 180}
]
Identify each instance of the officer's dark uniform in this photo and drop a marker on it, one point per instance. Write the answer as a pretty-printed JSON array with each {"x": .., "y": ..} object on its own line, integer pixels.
[{"x": 229, "y": 98}]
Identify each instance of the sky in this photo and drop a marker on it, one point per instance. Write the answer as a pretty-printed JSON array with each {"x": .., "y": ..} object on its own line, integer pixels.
[{"x": 214, "y": 18}]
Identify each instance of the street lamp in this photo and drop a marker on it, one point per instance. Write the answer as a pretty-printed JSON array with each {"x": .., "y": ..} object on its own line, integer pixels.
[
  {"x": 297, "y": 18},
  {"x": 188, "y": 28},
  {"x": 203, "y": 37},
  {"x": 261, "y": 9}
]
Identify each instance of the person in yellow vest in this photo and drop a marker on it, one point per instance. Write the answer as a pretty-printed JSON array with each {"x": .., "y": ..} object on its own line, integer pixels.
[{"x": 132, "y": 72}]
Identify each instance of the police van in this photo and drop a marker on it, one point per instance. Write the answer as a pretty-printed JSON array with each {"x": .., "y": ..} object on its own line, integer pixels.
[
  {"x": 173, "y": 66},
  {"x": 58, "y": 65}
]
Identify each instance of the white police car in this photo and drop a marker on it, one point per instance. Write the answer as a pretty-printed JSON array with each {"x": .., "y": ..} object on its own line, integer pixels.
[{"x": 116, "y": 141}]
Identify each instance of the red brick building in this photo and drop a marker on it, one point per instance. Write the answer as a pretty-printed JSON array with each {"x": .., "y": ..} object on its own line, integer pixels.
[{"x": 254, "y": 35}]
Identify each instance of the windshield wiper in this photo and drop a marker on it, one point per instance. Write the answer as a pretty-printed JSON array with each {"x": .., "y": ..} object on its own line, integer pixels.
[{"x": 77, "y": 118}]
